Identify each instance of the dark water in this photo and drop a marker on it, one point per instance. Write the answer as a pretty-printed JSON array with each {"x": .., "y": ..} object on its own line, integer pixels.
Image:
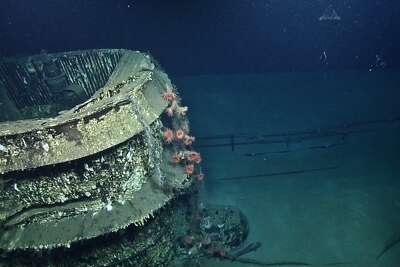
[
  {"x": 193, "y": 37},
  {"x": 295, "y": 105}
]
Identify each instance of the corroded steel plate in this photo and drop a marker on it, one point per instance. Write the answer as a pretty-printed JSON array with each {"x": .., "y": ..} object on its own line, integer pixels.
[{"x": 93, "y": 169}]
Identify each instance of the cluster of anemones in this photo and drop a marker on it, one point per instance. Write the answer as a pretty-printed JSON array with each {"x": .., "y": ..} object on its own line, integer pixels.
[
  {"x": 187, "y": 157},
  {"x": 179, "y": 136},
  {"x": 174, "y": 106},
  {"x": 190, "y": 158}
]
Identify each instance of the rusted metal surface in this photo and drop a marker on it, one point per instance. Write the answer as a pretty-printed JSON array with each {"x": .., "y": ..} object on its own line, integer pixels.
[
  {"x": 93, "y": 169},
  {"x": 103, "y": 121}
]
